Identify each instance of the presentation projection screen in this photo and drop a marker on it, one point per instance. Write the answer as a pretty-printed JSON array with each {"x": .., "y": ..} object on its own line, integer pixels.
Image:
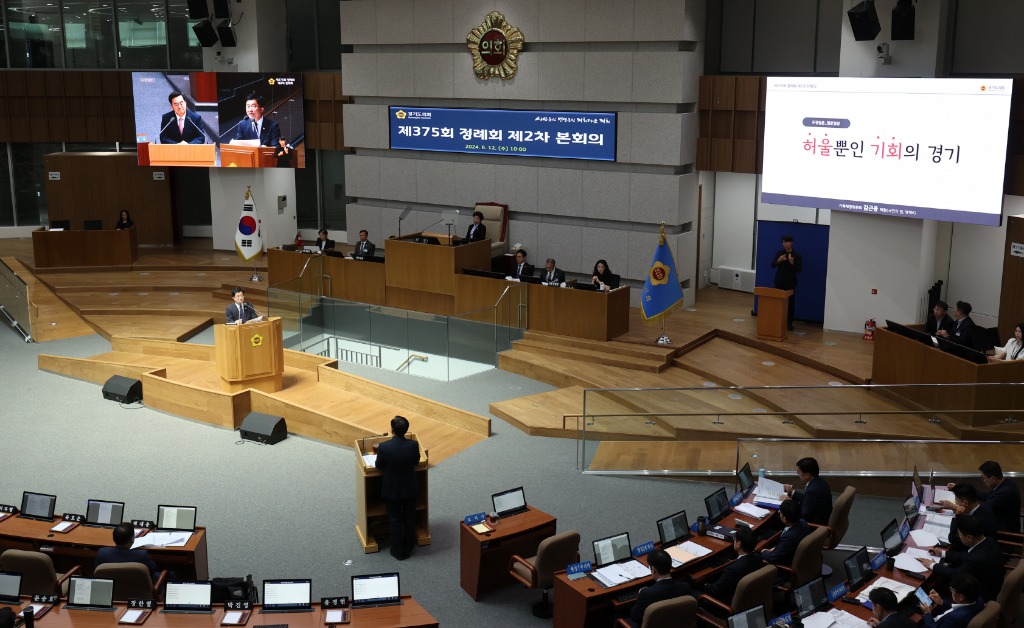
[
  {"x": 914, "y": 148},
  {"x": 555, "y": 134}
]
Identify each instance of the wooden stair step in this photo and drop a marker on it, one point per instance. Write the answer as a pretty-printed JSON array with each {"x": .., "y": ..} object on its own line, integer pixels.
[
  {"x": 654, "y": 353},
  {"x": 586, "y": 355}
]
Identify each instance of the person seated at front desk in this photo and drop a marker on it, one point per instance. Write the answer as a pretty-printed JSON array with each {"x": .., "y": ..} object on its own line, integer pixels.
[
  {"x": 603, "y": 277},
  {"x": 323, "y": 242},
  {"x": 552, "y": 275},
  {"x": 364, "y": 248},
  {"x": 965, "y": 603},
  {"x": 939, "y": 319},
  {"x": 521, "y": 268},
  {"x": 983, "y": 558},
  {"x": 239, "y": 312},
  {"x": 746, "y": 563},
  {"x": 1014, "y": 349},
  {"x": 664, "y": 587},
  {"x": 963, "y": 327},
  {"x": 477, "y": 230},
  {"x": 794, "y": 531},
  {"x": 124, "y": 536},
  {"x": 124, "y": 221}
]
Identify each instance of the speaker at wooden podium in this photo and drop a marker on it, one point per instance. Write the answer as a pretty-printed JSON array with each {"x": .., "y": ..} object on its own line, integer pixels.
[
  {"x": 772, "y": 312},
  {"x": 250, "y": 355}
]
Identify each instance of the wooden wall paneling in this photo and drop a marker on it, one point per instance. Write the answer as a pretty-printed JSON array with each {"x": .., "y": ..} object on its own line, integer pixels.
[
  {"x": 93, "y": 129},
  {"x": 15, "y": 83},
  {"x": 1011, "y": 295},
  {"x": 721, "y": 155},
  {"x": 327, "y": 137},
  {"x": 747, "y": 88},
  {"x": 339, "y": 124},
  {"x": 35, "y": 84},
  {"x": 73, "y": 84},
  {"x": 338, "y": 93},
  {"x": 39, "y": 131},
  {"x": 724, "y": 94},
  {"x": 91, "y": 84}
]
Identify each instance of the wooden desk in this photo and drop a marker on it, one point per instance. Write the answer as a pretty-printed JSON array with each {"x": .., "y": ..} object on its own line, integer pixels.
[
  {"x": 483, "y": 564},
  {"x": 79, "y": 547},
  {"x": 355, "y": 280},
  {"x": 408, "y": 614},
  {"x": 239, "y": 156},
  {"x": 579, "y": 313},
  {"x": 421, "y": 277},
  {"x": 105, "y": 247},
  {"x": 371, "y": 509},
  {"x": 200, "y": 155}
]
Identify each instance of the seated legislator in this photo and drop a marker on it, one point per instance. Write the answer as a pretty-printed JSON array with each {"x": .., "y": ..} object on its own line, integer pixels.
[
  {"x": 521, "y": 268},
  {"x": 815, "y": 499},
  {"x": 966, "y": 602},
  {"x": 663, "y": 588},
  {"x": 1003, "y": 497},
  {"x": 967, "y": 503},
  {"x": 884, "y": 613},
  {"x": 364, "y": 248},
  {"x": 1014, "y": 349},
  {"x": 746, "y": 563},
  {"x": 7, "y": 617},
  {"x": 124, "y": 221},
  {"x": 179, "y": 125},
  {"x": 552, "y": 275},
  {"x": 124, "y": 536},
  {"x": 982, "y": 559},
  {"x": 240, "y": 312},
  {"x": 323, "y": 242},
  {"x": 603, "y": 277},
  {"x": 962, "y": 332},
  {"x": 477, "y": 230},
  {"x": 939, "y": 319},
  {"x": 794, "y": 531}
]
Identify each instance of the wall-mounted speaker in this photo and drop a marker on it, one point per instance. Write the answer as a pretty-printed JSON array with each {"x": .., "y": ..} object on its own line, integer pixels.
[
  {"x": 222, "y": 9},
  {"x": 864, "y": 21},
  {"x": 198, "y": 10},
  {"x": 122, "y": 389},
  {"x": 263, "y": 428},
  {"x": 227, "y": 34},
  {"x": 206, "y": 34},
  {"x": 903, "y": 15}
]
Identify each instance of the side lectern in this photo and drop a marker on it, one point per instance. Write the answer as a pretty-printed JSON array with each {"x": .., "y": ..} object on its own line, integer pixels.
[
  {"x": 371, "y": 512},
  {"x": 250, "y": 355},
  {"x": 772, "y": 313}
]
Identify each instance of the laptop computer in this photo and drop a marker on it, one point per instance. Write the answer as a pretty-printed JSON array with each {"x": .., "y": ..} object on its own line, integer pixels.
[
  {"x": 576, "y": 285},
  {"x": 37, "y": 506},
  {"x": 858, "y": 568},
  {"x": 717, "y": 504},
  {"x": 287, "y": 596},
  {"x": 911, "y": 509},
  {"x": 531, "y": 279},
  {"x": 10, "y": 587},
  {"x": 90, "y": 594},
  {"x": 612, "y": 549},
  {"x": 175, "y": 518},
  {"x": 892, "y": 542},
  {"x": 745, "y": 479},
  {"x": 103, "y": 514},
  {"x": 380, "y": 589},
  {"x": 510, "y": 502},
  {"x": 810, "y": 597},
  {"x": 673, "y": 529},
  {"x": 188, "y": 597},
  {"x": 751, "y": 618}
]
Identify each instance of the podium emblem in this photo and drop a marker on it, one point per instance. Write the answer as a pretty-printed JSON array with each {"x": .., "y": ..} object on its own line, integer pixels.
[{"x": 256, "y": 340}]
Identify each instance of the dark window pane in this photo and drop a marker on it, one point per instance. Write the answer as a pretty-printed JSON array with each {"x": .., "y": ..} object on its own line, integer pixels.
[
  {"x": 186, "y": 53},
  {"x": 89, "y": 33},
  {"x": 34, "y": 30},
  {"x": 328, "y": 35},
  {"x": 332, "y": 171},
  {"x": 142, "y": 33},
  {"x": 307, "y": 211},
  {"x": 30, "y": 181},
  {"x": 6, "y": 207},
  {"x": 301, "y": 38}
]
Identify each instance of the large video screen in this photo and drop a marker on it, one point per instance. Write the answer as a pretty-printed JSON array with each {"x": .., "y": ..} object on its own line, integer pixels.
[
  {"x": 916, "y": 148},
  {"x": 555, "y": 134},
  {"x": 215, "y": 119}
]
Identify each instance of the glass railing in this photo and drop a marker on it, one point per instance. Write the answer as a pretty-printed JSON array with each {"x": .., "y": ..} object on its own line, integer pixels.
[{"x": 15, "y": 303}]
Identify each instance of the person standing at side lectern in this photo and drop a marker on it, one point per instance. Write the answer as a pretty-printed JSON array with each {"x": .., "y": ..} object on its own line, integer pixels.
[
  {"x": 397, "y": 459},
  {"x": 787, "y": 263}
]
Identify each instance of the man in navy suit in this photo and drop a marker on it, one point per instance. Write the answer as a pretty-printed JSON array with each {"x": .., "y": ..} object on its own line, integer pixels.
[
  {"x": 239, "y": 312},
  {"x": 965, "y": 594},
  {"x": 254, "y": 126},
  {"x": 884, "y": 613},
  {"x": 521, "y": 268},
  {"x": 1003, "y": 496},
  {"x": 967, "y": 503},
  {"x": 552, "y": 275},
  {"x": 983, "y": 558},
  {"x": 746, "y": 563},
  {"x": 816, "y": 498},
  {"x": 124, "y": 536},
  {"x": 398, "y": 458},
  {"x": 962, "y": 332},
  {"x": 180, "y": 126},
  {"x": 794, "y": 531},
  {"x": 663, "y": 588}
]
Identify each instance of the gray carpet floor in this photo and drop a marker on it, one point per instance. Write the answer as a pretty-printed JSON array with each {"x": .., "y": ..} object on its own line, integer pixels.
[{"x": 288, "y": 510}]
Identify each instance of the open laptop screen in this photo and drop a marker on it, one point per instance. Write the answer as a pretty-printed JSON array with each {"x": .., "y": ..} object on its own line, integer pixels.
[
  {"x": 188, "y": 596},
  {"x": 376, "y": 589},
  {"x": 284, "y": 595},
  {"x": 10, "y": 587},
  {"x": 858, "y": 567},
  {"x": 90, "y": 593},
  {"x": 717, "y": 504},
  {"x": 746, "y": 479},
  {"x": 611, "y": 549},
  {"x": 810, "y": 597},
  {"x": 509, "y": 502},
  {"x": 891, "y": 536},
  {"x": 911, "y": 510},
  {"x": 751, "y": 618},
  {"x": 38, "y": 505},
  {"x": 103, "y": 513},
  {"x": 176, "y": 518},
  {"x": 674, "y": 528}
]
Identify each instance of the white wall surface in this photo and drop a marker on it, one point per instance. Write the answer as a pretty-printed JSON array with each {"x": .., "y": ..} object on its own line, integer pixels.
[
  {"x": 735, "y": 215},
  {"x": 920, "y": 56},
  {"x": 227, "y": 193}
]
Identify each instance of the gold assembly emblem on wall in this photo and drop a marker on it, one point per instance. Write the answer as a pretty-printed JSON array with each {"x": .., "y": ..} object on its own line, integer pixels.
[{"x": 495, "y": 46}]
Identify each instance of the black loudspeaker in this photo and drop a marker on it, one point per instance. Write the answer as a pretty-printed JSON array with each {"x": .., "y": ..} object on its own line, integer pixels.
[
  {"x": 227, "y": 34},
  {"x": 263, "y": 428},
  {"x": 903, "y": 20},
  {"x": 222, "y": 9},
  {"x": 864, "y": 21},
  {"x": 205, "y": 33},
  {"x": 198, "y": 10},
  {"x": 122, "y": 389}
]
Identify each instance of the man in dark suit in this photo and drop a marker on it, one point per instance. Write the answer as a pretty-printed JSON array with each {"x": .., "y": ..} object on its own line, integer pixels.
[
  {"x": 7, "y": 617},
  {"x": 181, "y": 126},
  {"x": 364, "y": 248},
  {"x": 794, "y": 531},
  {"x": 254, "y": 126},
  {"x": 477, "y": 230},
  {"x": 962, "y": 332},
  {"x": 939, "y": 319},
  {"x": 982, "y": 559},
  {"x": 397, "y": 459},
  {"x": 552, "y": 275},
  {"x": 521, "y": 268},
  {"x": 965, "y": 595},
  {"x": 124, "y": 536},
  {"x": 663, "y": 588},
  {"x": 883, "y": 610},
  {"x": 239, "y": 312},
  {"x": 1002, "y": 497},
  {"x": 787, "y": 264},
  {"x": 967, "y": 503},
  {"x": 746, "y": 563},
  {"x": 815, "y": 499},
  {"x": 323, "y": 242}
]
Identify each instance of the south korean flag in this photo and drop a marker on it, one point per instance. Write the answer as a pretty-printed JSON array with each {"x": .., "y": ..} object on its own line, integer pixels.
[{"x": 248, "y": 238}]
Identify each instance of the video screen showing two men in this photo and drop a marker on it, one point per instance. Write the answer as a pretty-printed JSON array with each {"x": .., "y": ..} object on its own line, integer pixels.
[{"x": 219, "y": 120}]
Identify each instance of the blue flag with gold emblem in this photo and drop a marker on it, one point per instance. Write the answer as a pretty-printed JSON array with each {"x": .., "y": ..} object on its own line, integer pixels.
[{"x": 662, "y": 293}]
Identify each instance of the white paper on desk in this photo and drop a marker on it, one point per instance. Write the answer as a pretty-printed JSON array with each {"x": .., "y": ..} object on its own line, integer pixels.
[
  {"x": 752, "y": 511},
  {"x": 611, "y": 575},
  {"x": 130, "y": 617},
  {"x": 940, "y": 519},
  {"x": 943, "y": 495},
  {"x": 232, "y": 617},
  {"x": 334, "y": 617},
  {"x": 818, "y": 620},
  {"x": 908, "y": 563},
  {"x": 917, "y": 552},
  {"x": 635, "y": 569},
  {"x": 695, "y": 549},
  {"x": 923, "y": 538},
  {"x": 941, "y": 533},
  {"x": 62, "y": 526},
  {"x": 370, "y": 460},
  {"x": 769, "y": 488},
  {"x": 36, "y": 609},
  {"x": 901, "y": 590},
  {"x": 163, "y": 539},
  {"x": 847, "y": 620}
]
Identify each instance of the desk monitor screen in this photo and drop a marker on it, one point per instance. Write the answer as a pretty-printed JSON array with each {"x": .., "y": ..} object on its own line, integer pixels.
[
  {"x": 176, "y": 518},
  {"x": 287, "y": 596},
  {"x": 10, "y": 587},
  {"x": 188, "y": 597},
  {"x": 93, "y": 594},
  {"x": 510, "y": 502},
  {"x": 583, "y": 286},
  {"x": 381, "y": 589},
  {"x": 752, "y": 618},
  {"x": 101, "y": 513},
  {"x": 858, "y": 568},
  {"x": 674, "y": 529},
  {"x": 910, "y": 509},
  {"x": 918, "y": 487},
  {"x": 612, "y": 549},
  {"x": 891, "y": 540},
  {"x": 746, "y": 479},
  {"x": 810, "y": 597},
  {"x": 38, "y": 506},
  {"x": 717, "y": 504}
]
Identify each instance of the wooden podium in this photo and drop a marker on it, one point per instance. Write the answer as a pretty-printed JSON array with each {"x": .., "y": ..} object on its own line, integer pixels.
[
  {"x": 772, "y": 313},
  {"x": 239, "y": 156},
  {"x": 204, "y": 155},
  {"x": 371, "y": 512},
  {"x": 250, "y": 355}
]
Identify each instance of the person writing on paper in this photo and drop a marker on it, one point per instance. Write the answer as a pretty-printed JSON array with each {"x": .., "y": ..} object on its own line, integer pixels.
[
  {"x": 254, "y": 126},
  {"x": 965, "y": 603},
  {"x": 967, "y": 503},
  {"x": 397, "y": 459},
  {"x": 603, "y": 277},
  {"x": 794, "y": 531},
  {"x": 1014, "y": 349},
  {"x": 364, "y": 248},
  {"x": 521, "y": 268},
  {"x": 240, "y": 312},
  {"x": 883, "y": 610},
  {"x": 124, "y": 221},
  {"x": 787, "y": 264},
  {"x": 553, "y": 275},
  {"x": 664, "y": 587},
  {"x": 179, "y": 125},
  {"x": 124, "y": 536},
  {"x": 746, "y": 563},
  {"x": 815, "y": 499},
  {"x": 939, "y": 319},
  {"x": 983, "y": 558}
]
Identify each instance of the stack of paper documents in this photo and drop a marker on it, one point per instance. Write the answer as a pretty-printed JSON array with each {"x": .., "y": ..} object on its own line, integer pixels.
[
  {"x": 901, "y": 590},
  {"x": 834, "y": 617},
  {"x": 685, "y": 552},
  {"x": 769, "y": 488},
  {"x": 924, "y": 538},
  {"x": 163, "y": 539},
  {"x": 752, "y": 511},
  {"x": 942, "y": 495},
  {"x": 909, "y": 563},
  {"x": 370, "y": 460},
  {"x": 618, "y": 573}
]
